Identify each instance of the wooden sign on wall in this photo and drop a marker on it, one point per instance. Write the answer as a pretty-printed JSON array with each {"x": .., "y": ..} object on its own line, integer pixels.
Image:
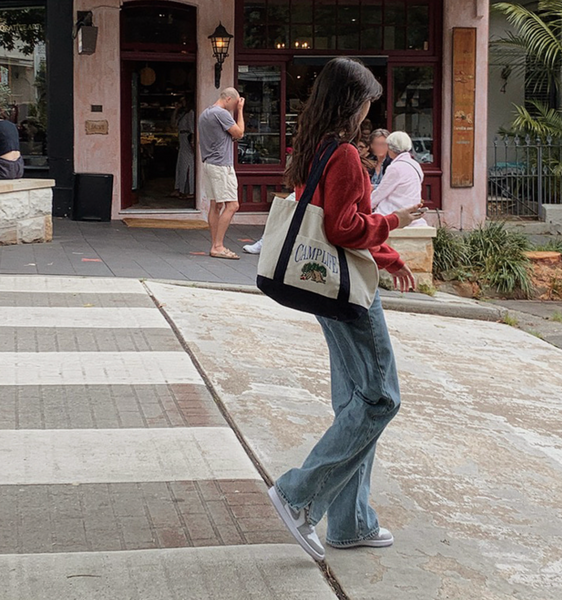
[{"x": 464, "y": 101}]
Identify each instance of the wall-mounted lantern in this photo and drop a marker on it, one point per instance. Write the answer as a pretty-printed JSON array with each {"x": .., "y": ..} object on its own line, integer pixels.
[
  {"x": 86, "y": 33},
  {"x": 220, "y": 39}
]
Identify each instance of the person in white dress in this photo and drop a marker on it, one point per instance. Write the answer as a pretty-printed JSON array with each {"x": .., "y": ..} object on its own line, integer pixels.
[{"x": 184, "y": 120}]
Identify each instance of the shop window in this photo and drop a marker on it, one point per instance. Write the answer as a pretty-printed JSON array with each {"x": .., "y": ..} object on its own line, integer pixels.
[
  {"x": 418, "y": 26},
  {"x": 370, "y": 25},
  {"x": 261, "y": 86},
  {"x": 302, "y": 11},
  {"x": 349, "y": 25},
  {"x": 23, "y": 80},
  {"x": 413, "y": 99},
  {"x": 325, "y": 24},
  {"x": 169, "y": 28}
]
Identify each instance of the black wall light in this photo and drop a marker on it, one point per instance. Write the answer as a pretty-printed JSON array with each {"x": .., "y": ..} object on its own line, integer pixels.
[
  {"x": 220, "y": 39},
  {"x": 86, "y": 33}
]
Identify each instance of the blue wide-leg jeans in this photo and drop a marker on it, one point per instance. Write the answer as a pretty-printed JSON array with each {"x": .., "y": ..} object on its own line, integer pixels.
[{"x": 335, "y": 477}]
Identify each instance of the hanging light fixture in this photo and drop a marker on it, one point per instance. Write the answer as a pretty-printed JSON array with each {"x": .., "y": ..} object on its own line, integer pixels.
[{"x": 220, "y": 40}]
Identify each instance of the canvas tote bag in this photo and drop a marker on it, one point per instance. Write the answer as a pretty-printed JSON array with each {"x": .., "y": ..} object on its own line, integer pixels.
[{"x": 301, "y": 269}]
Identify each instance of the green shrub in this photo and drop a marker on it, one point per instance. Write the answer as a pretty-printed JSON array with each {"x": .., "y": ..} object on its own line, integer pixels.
[
  {"x": 499, "y": 257},
  {"x": 493, "y": 240},
  {"x": 449, "y": 251},
  {"x": 508, "y": 271},
  {"x": 490, "y": 255}
]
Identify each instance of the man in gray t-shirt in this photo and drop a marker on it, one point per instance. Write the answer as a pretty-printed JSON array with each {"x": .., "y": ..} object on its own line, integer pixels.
[
  {"x": 217, "y": 131},
  {"x": 214, "y": 140}
]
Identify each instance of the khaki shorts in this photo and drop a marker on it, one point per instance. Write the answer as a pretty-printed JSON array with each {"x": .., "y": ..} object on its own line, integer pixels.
[{"x": 220, "y": 183}]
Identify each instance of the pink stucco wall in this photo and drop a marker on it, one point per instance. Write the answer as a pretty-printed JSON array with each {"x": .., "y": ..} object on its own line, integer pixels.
[
  {"x": 97, "y": 81},
  {"x": 465, "y": 207}
]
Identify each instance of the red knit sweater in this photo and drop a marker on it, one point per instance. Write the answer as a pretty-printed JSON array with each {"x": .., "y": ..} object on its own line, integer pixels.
[{"x": 344, "y": 192}]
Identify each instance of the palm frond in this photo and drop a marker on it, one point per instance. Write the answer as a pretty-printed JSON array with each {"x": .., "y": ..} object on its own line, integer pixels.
[
  {"x": 551, "y": 8},
  {"x": 540, "y": 38},
  {"x": 542, "y": 122}
]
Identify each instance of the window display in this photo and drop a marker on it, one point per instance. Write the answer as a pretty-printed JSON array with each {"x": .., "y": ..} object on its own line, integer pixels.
[
  {"x": 413, "y": 108},
  {"x": 261, "y": 86}
]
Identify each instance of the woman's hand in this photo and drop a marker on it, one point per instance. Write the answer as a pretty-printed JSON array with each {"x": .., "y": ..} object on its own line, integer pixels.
[
  {"x": 404, "y": 279},
  {"x": 406, "y": 216}
]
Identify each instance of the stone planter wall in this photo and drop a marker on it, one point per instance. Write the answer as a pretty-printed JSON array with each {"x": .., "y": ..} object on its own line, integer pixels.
[
  {"x": 26, "y": 207},
  {"x": 415, "y": 245}
]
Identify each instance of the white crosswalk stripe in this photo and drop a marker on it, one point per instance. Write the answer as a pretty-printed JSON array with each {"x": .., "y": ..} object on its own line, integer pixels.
[
  {"x": 71, "y": 368},
  {"x": 82, "y": 317},
  {"x": 70, "y": 285},
  {"x": 256, "y": 572},
  {"x": 121, "y": 455}
]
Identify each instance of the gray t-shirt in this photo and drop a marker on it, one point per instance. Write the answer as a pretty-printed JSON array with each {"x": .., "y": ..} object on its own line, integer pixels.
[{"x": 214, "y": 140}]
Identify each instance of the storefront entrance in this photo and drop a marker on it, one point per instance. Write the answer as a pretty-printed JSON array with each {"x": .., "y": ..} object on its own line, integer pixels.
[
  {"x": 161, "y": 134},
  {"x": 158, "y": 91}
]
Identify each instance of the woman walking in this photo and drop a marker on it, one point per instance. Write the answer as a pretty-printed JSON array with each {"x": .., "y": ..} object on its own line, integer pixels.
[{"x": 335, "y": 477}]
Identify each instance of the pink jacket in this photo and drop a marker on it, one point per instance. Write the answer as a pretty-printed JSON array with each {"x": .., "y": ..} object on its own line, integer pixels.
[{"x": 400, "y": 187}]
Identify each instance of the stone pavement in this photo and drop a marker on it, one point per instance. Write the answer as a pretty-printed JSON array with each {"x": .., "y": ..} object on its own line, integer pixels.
[
  {"x": 115, "y": 250},
  {"x": 119, "y": 476},
  {"x": 468, "y": 476}
]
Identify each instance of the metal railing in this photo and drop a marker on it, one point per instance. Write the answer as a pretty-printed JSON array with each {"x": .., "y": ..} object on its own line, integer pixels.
[{"x": 524, "y": 175}]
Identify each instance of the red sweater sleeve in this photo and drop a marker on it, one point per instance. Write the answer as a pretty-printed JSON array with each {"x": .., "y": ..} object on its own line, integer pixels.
[{"x": 344, "y": 192}]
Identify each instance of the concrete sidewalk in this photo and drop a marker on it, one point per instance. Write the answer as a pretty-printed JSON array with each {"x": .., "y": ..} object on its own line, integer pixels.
[
  {"x": 120, "y": 479},
  {"x": 468, "y": 476}
]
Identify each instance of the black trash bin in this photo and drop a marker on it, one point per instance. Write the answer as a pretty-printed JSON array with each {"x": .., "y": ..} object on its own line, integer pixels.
[{"x": 93, "y": 194}]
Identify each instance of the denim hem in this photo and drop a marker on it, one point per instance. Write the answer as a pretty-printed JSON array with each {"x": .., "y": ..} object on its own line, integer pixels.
[
  {"x": 284, "y": 496},
  {"x": 369, "y": 536}
]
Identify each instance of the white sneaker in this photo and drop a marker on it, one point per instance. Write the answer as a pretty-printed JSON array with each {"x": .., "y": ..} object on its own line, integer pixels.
[
  {"x": 298, "y": 525},
  {"x": 383, "y": 539},
  {"x": 254, "y": 248}
]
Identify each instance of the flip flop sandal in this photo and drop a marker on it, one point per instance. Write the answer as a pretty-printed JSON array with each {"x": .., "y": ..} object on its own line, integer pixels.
[{"x": 228, "y": 254}]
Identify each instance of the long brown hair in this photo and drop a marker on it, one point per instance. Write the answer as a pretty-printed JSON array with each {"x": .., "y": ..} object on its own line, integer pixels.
[{"x": 333, "y": 109}]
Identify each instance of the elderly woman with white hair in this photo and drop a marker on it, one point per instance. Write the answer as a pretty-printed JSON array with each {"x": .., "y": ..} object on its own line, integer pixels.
[{"x": 402, "y": 184}]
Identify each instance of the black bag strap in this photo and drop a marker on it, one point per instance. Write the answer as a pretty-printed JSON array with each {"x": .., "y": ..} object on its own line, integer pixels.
[{"x": 319, "y": 163}]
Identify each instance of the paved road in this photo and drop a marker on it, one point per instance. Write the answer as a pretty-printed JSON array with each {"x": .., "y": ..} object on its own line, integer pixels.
[{"x": 120, "y": 479}]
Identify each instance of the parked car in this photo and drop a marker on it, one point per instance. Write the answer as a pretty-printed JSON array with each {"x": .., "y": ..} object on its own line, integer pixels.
[{"x": 422, "y": 149}]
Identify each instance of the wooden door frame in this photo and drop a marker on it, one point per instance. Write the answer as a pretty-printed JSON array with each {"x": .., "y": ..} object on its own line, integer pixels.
[{"x": 127, "y": 196}]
